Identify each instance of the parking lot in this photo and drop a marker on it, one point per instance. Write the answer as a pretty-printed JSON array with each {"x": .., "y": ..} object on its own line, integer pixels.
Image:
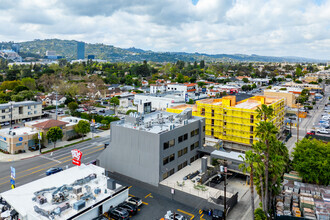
[{"x": 155, "y": 206}]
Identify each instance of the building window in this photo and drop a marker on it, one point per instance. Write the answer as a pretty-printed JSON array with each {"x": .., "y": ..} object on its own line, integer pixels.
[
  {"x": 251, "y": 139},
  {"x": 212, "y": 112},
  {"x": 212, "y": 132},
  {"x": 185, "y": 164},
  {"x": 185, "y": 136},
  {"x": 172, "y": 157},
  {"x": 29, "y": 107},
  {"x": 35, "y": 112},
  {"x": 180, "y": 167},
  {"x": 251, "y": 119},
  {"x": 165, "y": 160},
  {"x": 194, "y": 146},
  {"x": 212, "y": 122},
  {"x": 172, "y": 142},
  {"x": 224, "y": 133},
  {"x": 192, "y": 159},
  {"x": 251, "y": 129},
  {"x": 203, "y": 140},
  {"x": 203, "y": 111},
  {"x": 3, "y": 110},
  {"x": 165, "y": 175},
  {"x": 225, "y": 123},
  {"x": 171, "y": 172},
  {"x": 166, "y": 145},
  {"x": 180, "y": 139},
  {"x": 225, "y": 113},
  {"x": 3, "y": 117},
  {"x": 204, "y": 128},
  {"x": 35, "y": 106}
]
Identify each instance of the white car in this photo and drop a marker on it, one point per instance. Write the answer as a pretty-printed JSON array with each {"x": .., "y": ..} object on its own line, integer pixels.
[
  {"x": 326, "y": 118},
  {"x": 322, "y": 131},
  {"x": 134, "y": 200},
  {"x": 170, "y": 216}
]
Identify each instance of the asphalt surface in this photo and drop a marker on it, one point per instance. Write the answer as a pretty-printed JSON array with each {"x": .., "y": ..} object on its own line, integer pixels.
[{"x": 34, "y": 168}]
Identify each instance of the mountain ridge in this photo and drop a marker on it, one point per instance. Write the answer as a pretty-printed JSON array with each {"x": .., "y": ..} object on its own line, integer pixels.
[{"x": 68, "y": 49}]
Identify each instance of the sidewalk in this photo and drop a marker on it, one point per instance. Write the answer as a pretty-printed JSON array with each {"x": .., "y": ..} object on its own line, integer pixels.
[{"x": 28, "y": 154}]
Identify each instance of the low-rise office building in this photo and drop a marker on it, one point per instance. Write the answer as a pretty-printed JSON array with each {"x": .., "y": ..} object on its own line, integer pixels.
[
  {"x": 152, "y": 147},
  {"x": 289, "y": 97},
  {"x": 19, "y": 111},
  {"x": 13, "y": 140},
  {"x": 80, "y": 192}
]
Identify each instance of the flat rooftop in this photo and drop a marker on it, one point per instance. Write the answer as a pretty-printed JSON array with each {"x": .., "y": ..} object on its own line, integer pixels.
[
  {"x": 21, "y": 197},
  {"x": 17, "y": 104},
  {"x": 18, "y": 131},
  {"x": 157, "y": 122}
]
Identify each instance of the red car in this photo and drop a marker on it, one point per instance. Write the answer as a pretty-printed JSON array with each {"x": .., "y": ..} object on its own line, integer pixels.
[{"x": 311, "y": 132}]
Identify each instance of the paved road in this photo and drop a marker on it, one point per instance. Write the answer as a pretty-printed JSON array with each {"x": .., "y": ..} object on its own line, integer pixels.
[
  {"x": 309, "y": 122},
  {"x": 34, "y": 168}
]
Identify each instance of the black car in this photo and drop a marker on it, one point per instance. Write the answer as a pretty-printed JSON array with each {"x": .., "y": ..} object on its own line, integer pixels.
[
  {"x": 217, "y": 180},
  {"x": 217, "y": 215},
  {"x": 131, "y": 208},
  {"x": 118, "y": 213}
]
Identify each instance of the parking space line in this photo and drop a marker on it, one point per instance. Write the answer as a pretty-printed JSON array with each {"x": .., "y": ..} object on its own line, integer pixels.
[
  {"x": 201, "y": 218},
  {"x": 145, "y": 203},
  {"x": 131, "y": 195},
  {"x": 147, "y": 195},
  {"x": 187, "y": 213},
  {"x": 129, "y": 187}
]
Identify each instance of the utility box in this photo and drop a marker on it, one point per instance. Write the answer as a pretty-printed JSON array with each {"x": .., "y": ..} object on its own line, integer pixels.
[
  {"x": 204, "y": 164},
  {"x": 77, "y": 189},
  {"x": 111, "y": 184},
  {"x": 79, "y": 205}
]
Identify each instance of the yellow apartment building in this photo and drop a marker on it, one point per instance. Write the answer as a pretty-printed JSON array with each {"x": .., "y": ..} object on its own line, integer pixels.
[{"x": 231, "y": 121}]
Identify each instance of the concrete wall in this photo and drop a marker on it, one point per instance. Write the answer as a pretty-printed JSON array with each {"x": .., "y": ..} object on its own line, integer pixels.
[
  {"x": 174, "y": 134},
  {"x": 132, "y": 153}
]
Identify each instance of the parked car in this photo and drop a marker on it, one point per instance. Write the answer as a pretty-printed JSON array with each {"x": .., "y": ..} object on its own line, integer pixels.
[
  {"x": 170, "y": 216},
  {"x": 217, "y": 179},
  {"x": 102, "y": 111},
  {"x": 53, "y": 170},
  {"x": 7, "y": 123},
  {"x": 118, "y": 213},
  {"x": 2, "y": 124},
  {"x": 217, "y": 214},
  {"x": 322, "y": 131},
  {"x": 325, "y": 118},
  {"x": 311, "y": 132},
  {"x": 131, "y": 208},
  {"x": 134, "y": 200}
]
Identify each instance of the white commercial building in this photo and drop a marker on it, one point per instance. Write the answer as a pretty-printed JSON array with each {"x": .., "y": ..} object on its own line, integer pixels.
[
  {"x": 80, "y": 192},
  {"x": 161, "y": 100}
]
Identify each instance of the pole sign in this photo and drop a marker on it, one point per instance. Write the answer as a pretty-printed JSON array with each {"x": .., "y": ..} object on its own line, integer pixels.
[
  {"x": 39, "y": 135},
  {"x": 13, "y": 177},
  {"x": 76, "y": 157}
]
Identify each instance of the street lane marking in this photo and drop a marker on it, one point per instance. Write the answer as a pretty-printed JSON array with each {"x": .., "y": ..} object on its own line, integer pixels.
[
  {"x": 147, "y": 195},
  {"x": 45, "y": 168},
  {"x": 101, "y": 147},
  {"x": 187, "y": 213},
  {"x": 57, "y": 161}
]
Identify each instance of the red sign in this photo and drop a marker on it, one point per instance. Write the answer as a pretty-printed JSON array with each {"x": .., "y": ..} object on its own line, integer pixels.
[{"x": 76, "y": 157}]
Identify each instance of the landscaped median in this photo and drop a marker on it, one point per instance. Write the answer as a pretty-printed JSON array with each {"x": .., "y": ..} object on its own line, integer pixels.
[{"x": 68, "y": 145}]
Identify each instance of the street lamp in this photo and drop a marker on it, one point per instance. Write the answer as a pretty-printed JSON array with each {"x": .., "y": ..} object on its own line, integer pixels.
[{"x": 223, "y": 171}]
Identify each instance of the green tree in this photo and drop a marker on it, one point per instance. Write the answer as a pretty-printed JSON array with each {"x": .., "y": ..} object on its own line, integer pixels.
[
  {"x": 202, "y": 64},
  {"x": 73, "y": 106},
  {"x": 254, "y": 86},
  {"x": 191, "y": 101},
  {"x": 311, "y": 158},
  {"x": 245, "y": 80},
  {"x": 319, "y": 80},
  {"x": 180, "y": 78},
  {"x": 83, "y": 127},
  {"x": 29, "y": 83},
  {"x": 115, "y": 102},
  {"x": 54, "y": 134}
]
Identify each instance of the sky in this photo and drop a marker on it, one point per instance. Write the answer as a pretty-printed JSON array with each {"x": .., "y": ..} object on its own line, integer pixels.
[{"x": 264, "y": 27}]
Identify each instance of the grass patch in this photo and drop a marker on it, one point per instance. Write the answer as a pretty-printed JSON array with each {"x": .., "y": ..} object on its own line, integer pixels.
[{"x": 68, "y": 145}]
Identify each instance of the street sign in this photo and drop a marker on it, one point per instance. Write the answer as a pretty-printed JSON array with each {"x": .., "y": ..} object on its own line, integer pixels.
[
  {"x": 12, "y": 182},
  {"x": 13, "y": 186},
  {"x": 12, "y": 173},
  {"x": 76, "y": 157},
  {"x": 39, "y": 135}
]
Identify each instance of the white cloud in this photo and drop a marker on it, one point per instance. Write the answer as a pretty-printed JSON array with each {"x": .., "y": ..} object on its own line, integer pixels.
[{"x": 272, "y": 27}]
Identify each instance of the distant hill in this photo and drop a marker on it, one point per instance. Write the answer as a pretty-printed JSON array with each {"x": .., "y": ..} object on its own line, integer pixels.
[{"x": 68, "y": 49}]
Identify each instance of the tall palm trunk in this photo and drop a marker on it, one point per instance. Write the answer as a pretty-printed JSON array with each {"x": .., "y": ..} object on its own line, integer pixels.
[
  {"x": 252, "y": 190},
  {"x": 262, "y": 192},
  {"x": 266, "y": 177}
]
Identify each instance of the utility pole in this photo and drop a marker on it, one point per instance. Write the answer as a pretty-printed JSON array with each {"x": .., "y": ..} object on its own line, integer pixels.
[
  {"x": 298, "y": 124},
  {"x": 56, "y": 107},
  {"x": 223, "y": 171}
]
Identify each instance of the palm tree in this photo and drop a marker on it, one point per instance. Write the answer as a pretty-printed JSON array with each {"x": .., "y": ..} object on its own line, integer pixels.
[
  {"x": 247, "y": 166},
  {"x": 265, "y": 131}
]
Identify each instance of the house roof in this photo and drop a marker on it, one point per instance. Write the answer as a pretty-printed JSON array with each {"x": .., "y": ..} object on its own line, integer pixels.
[{"x": 50, "y": 123}]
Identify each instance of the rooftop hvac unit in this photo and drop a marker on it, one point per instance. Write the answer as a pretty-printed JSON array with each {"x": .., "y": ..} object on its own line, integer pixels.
[
  {"x": 77, "y": 189},
  {"x": 79, "y": 205},
  {"x": 111, "y": 184},
  {"x": 161, "y": 115},
  {"x": 79, "y": 196}
]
